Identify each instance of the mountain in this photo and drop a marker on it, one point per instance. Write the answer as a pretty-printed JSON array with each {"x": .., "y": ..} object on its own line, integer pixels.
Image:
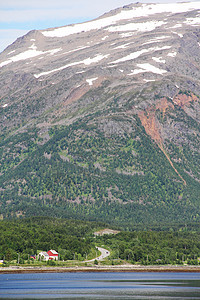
[{"x": 100, "y": 120}]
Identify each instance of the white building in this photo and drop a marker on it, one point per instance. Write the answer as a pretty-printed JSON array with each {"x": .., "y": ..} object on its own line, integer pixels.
[{"x": 43, "y": 256}]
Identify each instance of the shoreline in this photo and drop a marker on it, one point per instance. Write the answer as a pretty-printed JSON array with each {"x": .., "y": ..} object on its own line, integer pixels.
[{"x": 120, "y": 268}]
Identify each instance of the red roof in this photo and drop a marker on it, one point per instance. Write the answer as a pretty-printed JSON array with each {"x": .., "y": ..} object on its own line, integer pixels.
[{"x": 52, "y": 253}]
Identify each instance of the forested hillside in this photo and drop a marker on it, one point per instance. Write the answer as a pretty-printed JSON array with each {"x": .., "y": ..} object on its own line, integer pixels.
[
  {"x": 72, "y": 239},
  {"x": 83, "y": 173}
]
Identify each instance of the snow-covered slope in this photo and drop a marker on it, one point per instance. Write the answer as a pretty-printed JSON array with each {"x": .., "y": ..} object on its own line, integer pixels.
[
  {"x": 131, "y": 34},
  {"x": 132, "y": 13},
  {"x": 137, "y": 44}
]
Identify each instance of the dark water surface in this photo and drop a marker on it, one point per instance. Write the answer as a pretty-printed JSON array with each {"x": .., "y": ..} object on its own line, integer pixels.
[{"x": 100, "y": 286}]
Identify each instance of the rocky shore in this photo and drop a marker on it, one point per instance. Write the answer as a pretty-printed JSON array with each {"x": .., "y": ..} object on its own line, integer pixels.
[{"x": 120, "y": 268}]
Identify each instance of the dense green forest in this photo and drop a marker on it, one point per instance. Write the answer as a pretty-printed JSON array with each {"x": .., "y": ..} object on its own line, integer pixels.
[
  {"x": 26, "y": 237},
  {"x": 151, "y": 247}
]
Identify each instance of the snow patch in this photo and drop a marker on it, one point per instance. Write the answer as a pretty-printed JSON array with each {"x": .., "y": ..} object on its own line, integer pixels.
[
  {"x": 138, "y": 53},
  {"x": 159, "y": 59},
  {"x": 86, "y": 62},
  {"x": 179, "y": 34},
  {"x": 122, "y": 46},
  {"x": 105, "y": 37},
  {"x": 89, "y": 61},
  {"x": 90, "y": 81},
  {"x": 11, "y": 52},
  {"x": 149, "y": 80},
  {"x": 5, "y": 105},
  {"x": 172, "y": 54},
  {"x": 53, "y": 51},
  {"x": 193, "y": 21},
  {"x": 27, "y": 54},
  {"x": 176, "y": 26},
  {"x": 157, "y": 39},
  {"x": 147, "y": 68},
  {"x": 145, "y": 26},
  {"x": 127, "y": 34},
  {"x": 80, "y": 72},
  {"x": 33, "y": 46}
]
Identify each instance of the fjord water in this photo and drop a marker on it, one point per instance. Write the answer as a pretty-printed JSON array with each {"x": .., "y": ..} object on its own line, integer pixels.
[{"x": 100, "y": 286}]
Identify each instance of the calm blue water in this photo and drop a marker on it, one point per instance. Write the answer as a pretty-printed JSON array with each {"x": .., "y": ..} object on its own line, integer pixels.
[{"x": 100, "y": 286}]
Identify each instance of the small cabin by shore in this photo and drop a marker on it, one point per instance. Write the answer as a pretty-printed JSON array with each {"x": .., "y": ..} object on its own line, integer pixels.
[
  {"x": 49, "y": 255},
  {"x": 52, "y": 254}
]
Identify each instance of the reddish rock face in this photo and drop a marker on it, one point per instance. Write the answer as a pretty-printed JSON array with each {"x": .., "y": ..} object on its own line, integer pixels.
[
  {"x": 184, "y": 100},
  {"x": 151, "y": 123},
  {"x": 149, "y": 120}
]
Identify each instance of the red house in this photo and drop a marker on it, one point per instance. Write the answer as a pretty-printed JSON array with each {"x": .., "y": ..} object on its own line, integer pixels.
[{"x": 52, "y": 254}]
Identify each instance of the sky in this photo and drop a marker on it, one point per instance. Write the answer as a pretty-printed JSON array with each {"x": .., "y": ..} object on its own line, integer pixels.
[{"x": 17, "y": 17}]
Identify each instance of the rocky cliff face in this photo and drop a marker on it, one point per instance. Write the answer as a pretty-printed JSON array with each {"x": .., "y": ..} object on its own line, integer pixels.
[{"x": 104, "y": 103}]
